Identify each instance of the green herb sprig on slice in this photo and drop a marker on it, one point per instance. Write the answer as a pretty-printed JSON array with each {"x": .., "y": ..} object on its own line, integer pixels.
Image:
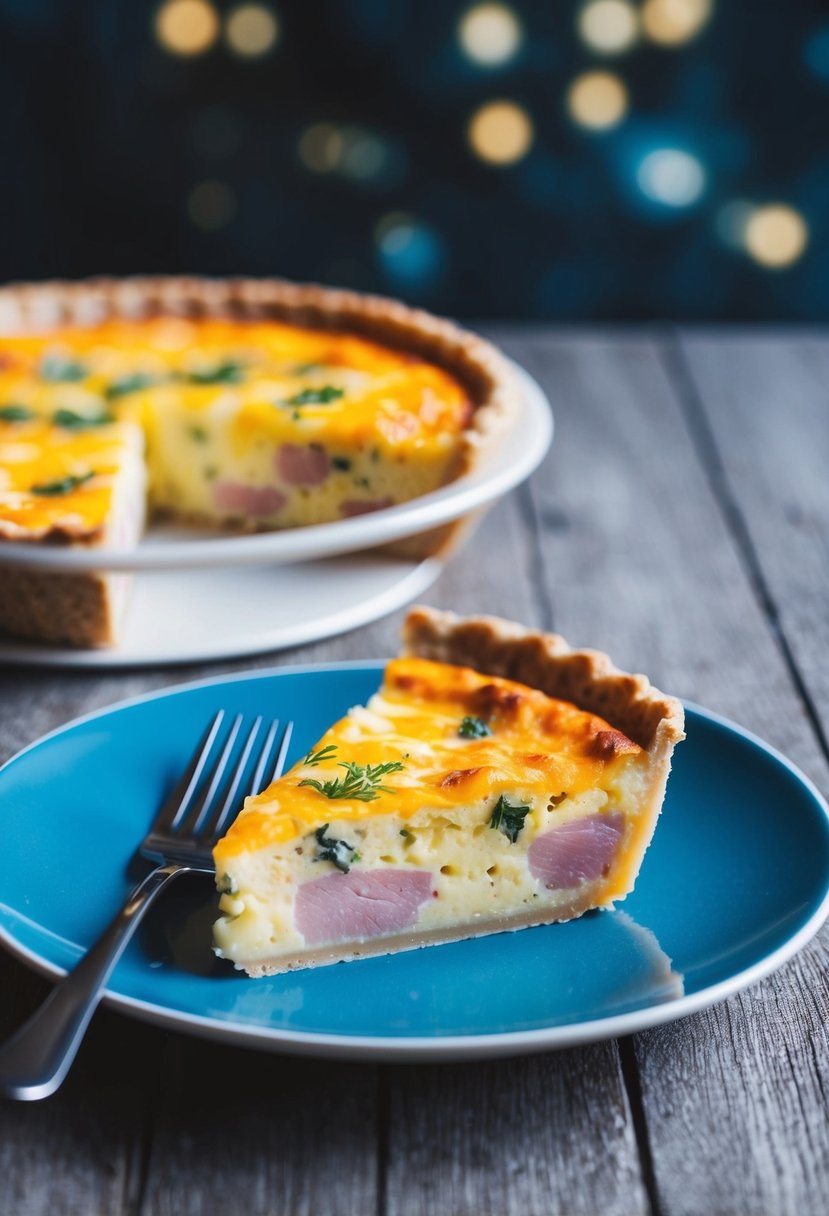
[
  {"x": 509, "y": 818},
  {"x": 15, "y": 413},
  {"x": 64, "y": 485},
  {"x": 340, "y": 852},
  {"x": 60, "y": 370},
  {"x": 315, "y": 396},
  {"x": 324, "y": 753},
  {"x": 362, "y": 782},
  {"x": 474, "y": 728},
  {"x": 70, "y": 420}
]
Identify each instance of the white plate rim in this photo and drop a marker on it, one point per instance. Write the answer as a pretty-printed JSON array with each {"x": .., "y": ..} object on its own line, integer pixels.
[
  {"x": 411, "y": 1049},
  {"x": 442, "y": 506}
]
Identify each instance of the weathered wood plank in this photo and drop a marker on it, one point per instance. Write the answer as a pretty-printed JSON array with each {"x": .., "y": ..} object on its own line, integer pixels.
[
  {"x": 548, "y": 1135},
  {"x": 763, "y": 403},
  {"x": 641, "y": 562}
]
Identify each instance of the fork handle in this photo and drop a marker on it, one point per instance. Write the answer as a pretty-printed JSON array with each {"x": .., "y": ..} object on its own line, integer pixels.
[{"x": 36, "y": 1059}]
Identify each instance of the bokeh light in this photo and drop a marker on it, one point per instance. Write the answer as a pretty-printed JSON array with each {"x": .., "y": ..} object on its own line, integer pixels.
[
  {"x": 500, "y": 132},
  {"x": 211, "y": 205},
  {"x": 490, "y": 34},
  {"x": 186, "y": 27},
  {"x": 320, "y": 147},
  {"x": 608, "y": 26},
  {"x": 816, "y": 53},
  {"x": 671, "y": 176},
  {"x": 732, "y": 221},
  {"x": 776, "y": 235},
  {"x": 251, "y": 30},
  {"x": 672, "y": 22},
  {"x": 597, "y": 100},
  {"x": 411, "y": 252}
]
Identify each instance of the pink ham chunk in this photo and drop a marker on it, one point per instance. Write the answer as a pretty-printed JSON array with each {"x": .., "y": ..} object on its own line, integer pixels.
[
  {"x": 363, "y": 506},
  {"x": 302, "y": 466},
  {"x": 360, "y": 904},
  {"x": 576, "y": 852},
  {"x": 236, "y": 497}
]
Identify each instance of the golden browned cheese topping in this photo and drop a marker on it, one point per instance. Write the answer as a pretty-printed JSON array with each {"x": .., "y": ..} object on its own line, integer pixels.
[
  {"x": 435, "y": 736},
  {"x": 60, "y": 391}
]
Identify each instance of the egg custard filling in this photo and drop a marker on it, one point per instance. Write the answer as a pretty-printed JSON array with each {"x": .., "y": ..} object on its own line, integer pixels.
[
  {"x": 456, "y": 802},
  {"x": 239, "y": 405}
]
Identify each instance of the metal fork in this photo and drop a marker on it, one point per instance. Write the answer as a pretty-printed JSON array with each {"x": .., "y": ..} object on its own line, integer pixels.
[{"x": 35, "y": 1061}]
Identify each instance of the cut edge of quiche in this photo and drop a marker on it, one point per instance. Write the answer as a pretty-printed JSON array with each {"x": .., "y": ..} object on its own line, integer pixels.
[
  {"x": 499, "y": 780},
  {"x": 43, "y": 602}
]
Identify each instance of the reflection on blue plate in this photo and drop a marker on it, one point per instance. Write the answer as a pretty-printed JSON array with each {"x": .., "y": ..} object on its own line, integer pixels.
[{"x": 736, "y": 880}]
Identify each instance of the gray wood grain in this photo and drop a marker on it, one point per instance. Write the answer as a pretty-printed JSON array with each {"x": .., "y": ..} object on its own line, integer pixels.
[{"x": 641, "y": 561}]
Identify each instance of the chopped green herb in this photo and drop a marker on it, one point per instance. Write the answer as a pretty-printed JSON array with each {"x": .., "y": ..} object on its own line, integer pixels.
[
  {"x": 362, "y": 782},
  {"x": 362, "y": 481},
  {"x": 341, "y": 462},
  {"x": 315, "y": 396},
  {"x": 296, "y": 415},
  {"x": 197, "y": 433},
  {"x": 129, "y": 384},
  {"x": 325, "y": 753},
  {"x": 231, "y": 371},
  {"x": 227, "y": 886},
  {"x": 473, "y": 728},
  {"x": 51, "y": 489},
  {"x": 508, "y": 818},
  {"x": 15, "y": 413},
  {"x": 70, "y": 420},
  {"x": 305, "y": 369},
  {"x": 340, "y": 852},
  {"x": 375, "y": 454},
  {"x": 407, "y": 835},
  {"x": 61, "y": 370}
]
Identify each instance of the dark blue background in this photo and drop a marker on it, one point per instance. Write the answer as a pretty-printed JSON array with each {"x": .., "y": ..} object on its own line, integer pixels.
[{"x": 108, "y": 139}]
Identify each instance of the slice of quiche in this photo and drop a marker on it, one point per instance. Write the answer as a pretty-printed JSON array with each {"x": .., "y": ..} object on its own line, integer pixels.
[{"x": 497, "y": 780}]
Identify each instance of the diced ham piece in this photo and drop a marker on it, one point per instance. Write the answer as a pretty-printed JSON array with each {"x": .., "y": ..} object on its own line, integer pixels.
[
  {"x": 302, "y": 466},
  {"x": 363, "y": 506},
  {"x": 576, "y": 852},
  {"x": 360, "y": 904},
  {"x": 236, "y": 497}
]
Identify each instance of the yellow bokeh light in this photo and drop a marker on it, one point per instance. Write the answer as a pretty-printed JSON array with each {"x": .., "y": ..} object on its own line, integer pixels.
[
  {"x": 501, "y": 132},
  {"x": 489, "y": 34},
  {"x": 321, "y": 147},
  {"x": 671, "y": 22},
  {"x": 776, "y": 235},
  {"x": 598, "y": 100},
  {"x": 608, "y": 26},
  {"x": 186, "y": 27},
  {"x": 211, "y": 205},
  {"x": 251, "y": 30}
]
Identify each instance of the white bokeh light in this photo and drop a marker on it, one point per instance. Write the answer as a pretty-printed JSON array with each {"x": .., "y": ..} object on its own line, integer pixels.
[
  {"x": 671, "y": 177},
  {"x": 489, "y": 34},
  {"x": 608, "y": 26}
]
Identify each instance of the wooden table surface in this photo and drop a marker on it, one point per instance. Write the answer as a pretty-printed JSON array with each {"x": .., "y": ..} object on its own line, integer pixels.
[{"x": 681, "y": 522}]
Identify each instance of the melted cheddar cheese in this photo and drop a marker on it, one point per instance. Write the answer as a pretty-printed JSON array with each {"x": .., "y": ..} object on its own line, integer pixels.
[
  {"x": 255, "y": 424},
  {"x": 540, "y": 748}
]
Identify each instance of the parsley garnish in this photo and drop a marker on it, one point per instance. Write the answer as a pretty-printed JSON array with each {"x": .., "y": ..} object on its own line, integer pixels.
[
  {"x": 325, "y": 753},
  {"x": 340, "y": 852},
  {"x": 15, "y": 413},
  {"x": 508, "y": 818},
  {"x": 51, "y": 489},
  {"x": 129, "y": 384},
  {"x": 473, "y": 728},
  {"x": 341, "y": 462},
  {"x": 231, "y": 371},
  {"x": 362, "y": 782},
  {"x": 197, "y": 433},
  {"x": 61, "y": 370},
  {"x": 69, "y": 420},
  {"x": 315, "y": 396},
  {"x": 227, "y": 886}
]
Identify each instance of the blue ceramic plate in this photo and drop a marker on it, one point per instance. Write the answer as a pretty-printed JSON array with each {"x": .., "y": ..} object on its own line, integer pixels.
[{"x": 737, "y": 879}]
